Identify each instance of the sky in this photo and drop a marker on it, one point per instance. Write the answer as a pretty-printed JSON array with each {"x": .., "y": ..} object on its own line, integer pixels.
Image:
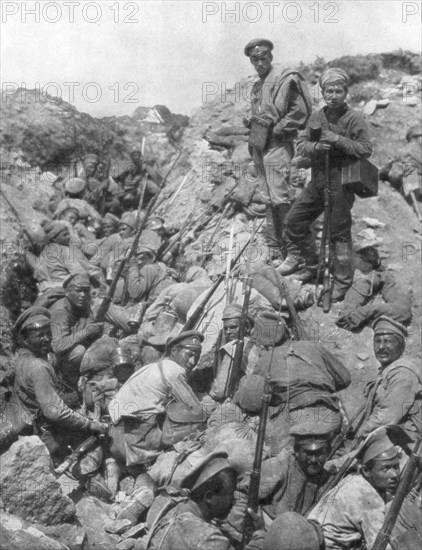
[{"x": 109, "y": 57}]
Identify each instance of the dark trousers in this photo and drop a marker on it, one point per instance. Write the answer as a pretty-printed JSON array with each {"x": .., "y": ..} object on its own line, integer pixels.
[{"x": 310, "y": 205}]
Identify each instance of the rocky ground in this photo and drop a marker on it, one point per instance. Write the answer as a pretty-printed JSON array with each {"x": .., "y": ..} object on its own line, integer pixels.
[{"x": 40, "y": 135}]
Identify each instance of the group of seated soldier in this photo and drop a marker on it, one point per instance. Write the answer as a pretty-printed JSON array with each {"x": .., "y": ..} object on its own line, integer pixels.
[{"x": 144, "y": 379}]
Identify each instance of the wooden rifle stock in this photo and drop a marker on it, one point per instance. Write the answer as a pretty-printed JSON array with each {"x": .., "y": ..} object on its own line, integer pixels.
[
  {"x": 299, "y": 331},
  {"x": 325, "y": 252},
  {"x": 255, "y": 478},
  {"x": 405, "y": 484},
  {"x": 236, "y": 369},
  {"x": 78, "y": 453}
]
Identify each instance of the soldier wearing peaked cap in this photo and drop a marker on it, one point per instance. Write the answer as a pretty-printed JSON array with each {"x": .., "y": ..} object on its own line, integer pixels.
[
  {"x": 353, "y": 512},
  {"x": 187, "y": 525},
  {"x": 293, "y": 481},
  {"x": 280, "y": 104},
  {"x": 231, "y": 317},
  {"x": 139, "y": 406},
  {"x": 43, "y": 412},
  {"x": 395, "y": 396}
]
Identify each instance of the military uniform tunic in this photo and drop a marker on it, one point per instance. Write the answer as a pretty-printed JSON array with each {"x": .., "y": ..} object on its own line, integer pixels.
[{"x": 351, "y": 514}]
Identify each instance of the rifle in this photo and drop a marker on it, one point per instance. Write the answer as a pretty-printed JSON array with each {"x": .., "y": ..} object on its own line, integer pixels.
[
  {"x": 193, "y": 320},
  {"x": 298, "y": 328},
  {"x": 325, "y": 251},
  {"x": 18, "y": 219},
  {"x": 359, "y": 418},
  {"x": 236, "y": 367},
  {"x": 177, "y": 237},
  {"x": 255, "y": 479},
  {"x": 78, "y": 453},
  {"x": 105, "y": 304},
  {"x": 405, "y": 484}
]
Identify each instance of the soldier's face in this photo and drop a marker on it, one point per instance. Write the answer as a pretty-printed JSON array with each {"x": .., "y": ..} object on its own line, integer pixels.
[
  {"x": 387, "y": 348},
  {"x": 69, "y": 216},
  {"x": 79, "y": 295},
  {"x": 63, "y": 237},
  {"x": 221, "y": 503},
  {"x": 231, "y": 329},
  {"x": 125, "y": 231},
  {"x": 334, "y": 95},
  {"x": 312, "y": 462},
  {"x": 90, "y": 168},
  {"x": 185, "y": 357},
  {"x": 108, "y": 229},
  {"x": 38, "y": 340},
  {"x": 262, "y": 63},
  {"x": 383, "y": 475}
]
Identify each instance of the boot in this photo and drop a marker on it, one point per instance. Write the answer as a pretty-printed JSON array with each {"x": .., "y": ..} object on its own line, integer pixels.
[
  {"x": 293, "y": 262},
  {"x": 271, "y": 234},
  {"x": 342, "y": 269}
]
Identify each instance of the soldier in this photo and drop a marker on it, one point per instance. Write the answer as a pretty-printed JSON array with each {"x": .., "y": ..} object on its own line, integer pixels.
[
  {"x": 147, "y": 277},
  {"x": 291, "y": 531},
  {"x": 405, "y": 170},
  {"x": 141, "y": 402},
  {"x": 353, "y": 512},
  {"x": 395, "y": 396},
  {"x": 281, "y": 99},
  {"x": 58, "y": 258},
  {"x": 292, "y": 482},
  {"x": 132, "y": 177},
  {"x": 127, "y": 225},
  {"x": 189, "y": 523},
  {"x": 231, "y": 317},
  {"x": 345, "y": 138},
  {"x": 73, "y": 326},
  {"x": 43, "y": 410},
  {"x": 306, "y": 377}
]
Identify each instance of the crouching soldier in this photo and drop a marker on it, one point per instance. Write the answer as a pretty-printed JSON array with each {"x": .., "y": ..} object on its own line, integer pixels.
[
  {"x": 73, "y": 326},
  {"x": 43, "y": 412},
  {"x": 188, "y": 524},
  {"x": 138, "y": 409}
]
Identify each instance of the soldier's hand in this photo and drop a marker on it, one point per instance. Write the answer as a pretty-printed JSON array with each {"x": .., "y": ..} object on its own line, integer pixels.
[
  {"x": 257, "y": 518},
  {"x": 96, "y": 427},
  {"x": 246, "y": 121},
  {"x": 322, "y": 147},
  {"x": 94, "y": 329},
  {"x": 329, "y": 137}
]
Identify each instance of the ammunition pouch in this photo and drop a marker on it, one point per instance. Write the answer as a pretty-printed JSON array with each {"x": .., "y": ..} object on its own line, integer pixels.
[
  {"x": 261, "y": 129},
  {"x": 180, "y": 423}
]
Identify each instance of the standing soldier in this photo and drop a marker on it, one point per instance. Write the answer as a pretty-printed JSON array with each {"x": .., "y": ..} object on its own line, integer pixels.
[
  {"x": 280, "y": 101},
  {"x": 342, "y": 133}
]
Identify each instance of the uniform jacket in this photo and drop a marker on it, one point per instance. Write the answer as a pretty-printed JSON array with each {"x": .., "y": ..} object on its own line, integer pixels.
[
  {"x": 279, "y": 97},
  {"x": 304, "y": 374},
  {"x": 146, "y": 283},
  {"x": 351, "y": 514},
  {"x": 35, "y": 385},
  {"x": 150, "y": 389},
  {"x": 284, "y": 487},
  {"x": 67, "y": 326},
  {"x": 55, "y": 263},
  {"x": 184, "y": 528},
  {"x": 353, "y": 144},
  {"x": 397, "y": 398}
]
